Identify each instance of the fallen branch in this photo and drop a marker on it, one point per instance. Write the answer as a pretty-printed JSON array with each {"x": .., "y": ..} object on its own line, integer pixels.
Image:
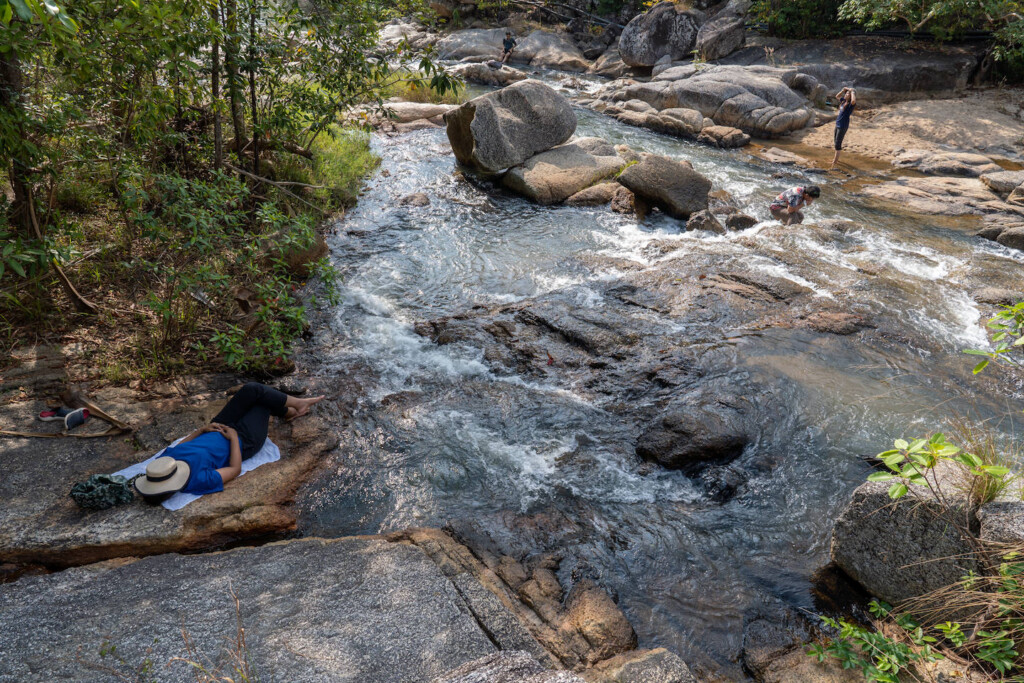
[
  {"x": 81, "y": 303},
  {"x": 274, "y": 183},
  {"x": 544, "y": 6},
  {"x": 75, "y": 398}
]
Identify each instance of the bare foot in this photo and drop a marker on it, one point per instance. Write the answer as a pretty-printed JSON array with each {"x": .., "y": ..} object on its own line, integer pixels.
[{"x": 301, "y": 406}]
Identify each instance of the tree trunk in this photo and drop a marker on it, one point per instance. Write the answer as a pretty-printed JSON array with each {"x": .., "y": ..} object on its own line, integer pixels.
[
  {"x": 12, "y": 85},
  {"x": 231, "y": 64},
  {"x": 218, "y": 136},
  {"x": 252, "y": 89}
]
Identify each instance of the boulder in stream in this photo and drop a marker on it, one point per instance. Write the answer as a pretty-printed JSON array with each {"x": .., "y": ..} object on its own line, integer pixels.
[
  {"x": 946, "y": 163},
  {"x": 553, "y": 176},
  {"x": 505, "y": 128},
  {"x": 507, "y": 667},
  {"x": 898, "y": 550},
  {"x": 671, "y": 185},
  {"x": 705, "y": 220},
  {"x": 694, "y": 434},
  {"x": 610, "y": 65},
  {"x": 1012, "y": 237},
  {"x": 666, "y": 30},
  {"x": 550, "y": 50}
]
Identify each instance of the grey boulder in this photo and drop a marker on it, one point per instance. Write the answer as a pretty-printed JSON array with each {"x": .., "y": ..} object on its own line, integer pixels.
[
  {"x": 550, "y": 50},
  {"x": 505, "y": 128},
  {"x": 642, "y": 666},
  {"x": 946, "y": 163},
  {"x": 1012, "y": 237},
  {"x": 557, "y": 174},
  {"x": 485, "y": 73},
  {"x": 672, "y": 186},
  {"x": 667, "y": 29},
  {"x": 610, "y": 65},
  {"x": 898, "y": 550},
  {"x": 705, "y": 220},
  {"x": 471, "y": 44},
  {"x": 693, "y": 436},
  {"x": 725, "y": 33}
]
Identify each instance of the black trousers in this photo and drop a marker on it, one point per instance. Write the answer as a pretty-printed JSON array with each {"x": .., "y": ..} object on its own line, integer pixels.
[
  {"x": 249, "y": 411},
  {"x": 838, "y": 137}
]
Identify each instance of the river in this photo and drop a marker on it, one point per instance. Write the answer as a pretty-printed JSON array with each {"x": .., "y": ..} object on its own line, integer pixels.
[{"x": 439, "y": 436}]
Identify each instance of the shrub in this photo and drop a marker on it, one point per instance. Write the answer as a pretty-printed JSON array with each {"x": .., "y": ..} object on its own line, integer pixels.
[{"x": 800, "y": 18}]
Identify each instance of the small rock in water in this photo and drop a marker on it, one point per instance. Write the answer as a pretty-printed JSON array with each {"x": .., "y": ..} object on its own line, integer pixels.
[
  {"x": 704, "y": 220},
  {"x": 740, "y": 221},
  {"x": 415, "y": 199}
]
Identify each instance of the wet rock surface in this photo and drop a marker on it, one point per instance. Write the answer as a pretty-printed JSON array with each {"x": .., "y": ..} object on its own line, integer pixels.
[
  {"x": 507, "y": 667},
  {"x": 670, "y": 185},
  {"x": 505, "y": 128}
]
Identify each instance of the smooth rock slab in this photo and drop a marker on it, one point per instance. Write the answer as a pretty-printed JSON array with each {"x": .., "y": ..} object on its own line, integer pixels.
[
  {"x": 507, "y": 667},
  {"x": 555, "y": 175},
  {"x": 352, "y": 609},
  {"x": 1003, "y": 182},
  {"x": 505, "y": 128}
]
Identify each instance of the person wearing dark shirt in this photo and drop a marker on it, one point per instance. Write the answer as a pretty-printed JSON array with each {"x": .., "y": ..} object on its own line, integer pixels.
[
  {"x": 847, "y": 103},
  {"x": 508, "y": 46},
  {"x": 212, "y": 455},
  {"x": 787, "y": 205}
]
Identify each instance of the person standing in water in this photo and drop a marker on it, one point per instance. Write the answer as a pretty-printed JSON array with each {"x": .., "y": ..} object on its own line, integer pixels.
[
  {"x": 847, "y": 103},
  {"x": 508, "y": 46},
  {"x": 787, "y": 205}
]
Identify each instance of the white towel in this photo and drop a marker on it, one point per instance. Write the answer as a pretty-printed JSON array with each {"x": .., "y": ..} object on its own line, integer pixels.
[{"x": 269, "y": 453}]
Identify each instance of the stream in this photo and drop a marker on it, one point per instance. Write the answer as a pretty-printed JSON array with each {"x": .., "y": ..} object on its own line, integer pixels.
[{"x": 440, "y": 436}]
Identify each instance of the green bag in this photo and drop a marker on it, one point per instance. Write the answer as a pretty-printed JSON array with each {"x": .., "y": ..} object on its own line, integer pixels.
[{"x": 102, "y": 491}]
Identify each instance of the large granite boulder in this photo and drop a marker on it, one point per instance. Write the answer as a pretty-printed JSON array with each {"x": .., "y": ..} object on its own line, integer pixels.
[
  {"x": 351, "y": 609},
  {"x": 667, "y": 29},
  {"x": 898, "y": 550},
  {"x": 488, "y": 73},
  {"x": 505, "y": 128},
  {"x": 672, "y": 186},
  {"x": 725, "y": 33},
  {"x": 471, "y": 44},
  {"x": 610, "y": 65},
  {"x": 555, "y": 175},
  {"x": 550, "y": 50},
  {"x": 762, "y": 101},
  {"x": 942, "y": 195}
]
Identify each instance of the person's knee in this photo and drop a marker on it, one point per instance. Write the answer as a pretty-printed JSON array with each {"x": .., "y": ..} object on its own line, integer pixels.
[{"x": 251, "y": 389}]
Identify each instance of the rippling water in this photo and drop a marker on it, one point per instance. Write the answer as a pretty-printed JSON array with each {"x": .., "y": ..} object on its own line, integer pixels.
[{"x": 439, "y": 437}]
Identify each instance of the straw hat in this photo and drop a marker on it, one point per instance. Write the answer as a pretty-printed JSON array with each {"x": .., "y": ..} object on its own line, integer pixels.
[{"x": 163, "y": 475}]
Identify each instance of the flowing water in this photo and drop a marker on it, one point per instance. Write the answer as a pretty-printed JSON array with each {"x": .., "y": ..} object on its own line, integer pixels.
[{"x": 530, "y": 462}]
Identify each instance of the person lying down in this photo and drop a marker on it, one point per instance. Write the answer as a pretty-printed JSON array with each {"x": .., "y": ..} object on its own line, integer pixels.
[{"x": 212, "y": 456}]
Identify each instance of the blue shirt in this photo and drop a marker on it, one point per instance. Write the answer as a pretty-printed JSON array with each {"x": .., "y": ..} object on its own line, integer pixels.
[
  {"x": 204, "y": 454},
  {"x": 846, "y": 108}
]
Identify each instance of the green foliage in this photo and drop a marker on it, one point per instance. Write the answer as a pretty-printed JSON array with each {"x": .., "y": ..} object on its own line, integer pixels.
[
  {"x": 799, "y": 18},
  {"x": 945, "y": 19},
  {"x": 109, "y": 120},
  {"x": 1008, "y": 336},
  {"x": 879, "y": 657}
]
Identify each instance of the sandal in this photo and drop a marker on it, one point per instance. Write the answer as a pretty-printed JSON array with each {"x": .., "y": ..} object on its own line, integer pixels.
[{"x": 54, "y": 415}]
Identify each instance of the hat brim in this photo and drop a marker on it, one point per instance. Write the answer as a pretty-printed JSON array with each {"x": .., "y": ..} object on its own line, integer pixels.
[{"x": 172, "y": 485}]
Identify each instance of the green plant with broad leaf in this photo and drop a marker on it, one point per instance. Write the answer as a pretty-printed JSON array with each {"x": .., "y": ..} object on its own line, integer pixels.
[{"x": 1007, "y": 328}]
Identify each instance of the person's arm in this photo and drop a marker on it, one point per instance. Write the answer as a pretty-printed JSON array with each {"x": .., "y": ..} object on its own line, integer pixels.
[
  {"x": 853, "y": 97},
  {"x": 794, "y": 206},
  {"x": 234, "y": 467}
]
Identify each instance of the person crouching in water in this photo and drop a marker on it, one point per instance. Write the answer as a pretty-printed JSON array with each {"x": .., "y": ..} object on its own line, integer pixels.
[
  {"x": 787, "y": 206},
  {"x": 847, "y": 103},
  {"x": 508, "y": 46}
]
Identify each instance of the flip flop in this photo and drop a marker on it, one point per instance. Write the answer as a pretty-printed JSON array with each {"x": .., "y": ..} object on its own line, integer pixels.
[
  {"x": 75, "y": 418},
  {"x": 54, "y": 415}
]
